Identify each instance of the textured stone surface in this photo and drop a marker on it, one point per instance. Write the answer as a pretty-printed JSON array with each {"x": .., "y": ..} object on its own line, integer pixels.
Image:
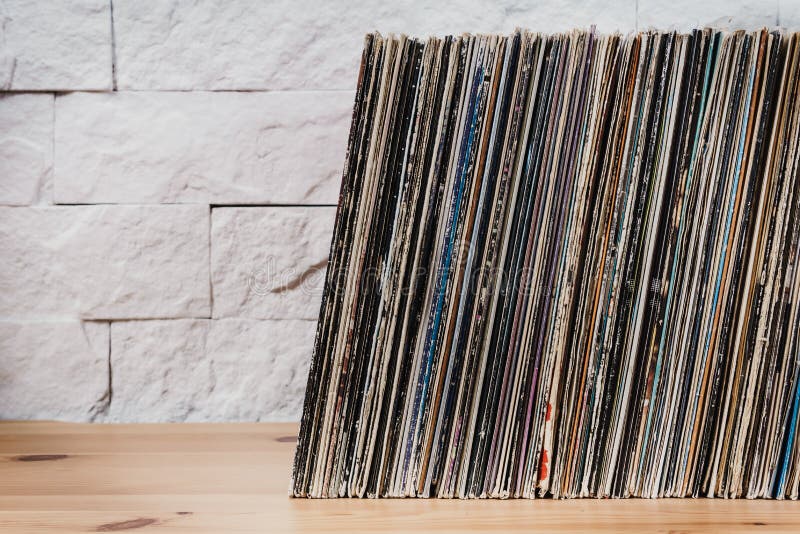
[
  {"x": 231, "y": 148},
  {"x": 307, "y": 44},
  {"x": 200, "y": 370},
  {"x": 263, "y": 265},
  {"x": 685, "y": 15},
  {"x": 53, "y": 370},
  {"x": 55, "y": 45},
  {"x": 104, "y": 262},
  {"x": 269, "y": 263},
  {"x": 26, "y": 149},
  {"x": 789, "y": 14}
]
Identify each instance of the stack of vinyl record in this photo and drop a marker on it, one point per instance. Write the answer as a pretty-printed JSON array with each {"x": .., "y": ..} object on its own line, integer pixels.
[{"x": 563, "y": 265}]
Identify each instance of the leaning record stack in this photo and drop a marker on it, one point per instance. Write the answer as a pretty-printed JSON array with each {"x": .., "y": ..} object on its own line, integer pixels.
[{"x": 563, "y": 265}]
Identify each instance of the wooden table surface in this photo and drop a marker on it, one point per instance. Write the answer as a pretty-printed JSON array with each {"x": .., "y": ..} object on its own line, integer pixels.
[{"x": 220, "y": 478}]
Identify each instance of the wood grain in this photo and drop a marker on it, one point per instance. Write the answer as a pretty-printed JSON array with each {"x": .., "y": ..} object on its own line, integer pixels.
[{"x": 219, "y": 478}]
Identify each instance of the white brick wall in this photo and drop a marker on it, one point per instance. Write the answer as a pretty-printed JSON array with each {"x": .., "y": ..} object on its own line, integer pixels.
[{"x": 168, "y": 172}]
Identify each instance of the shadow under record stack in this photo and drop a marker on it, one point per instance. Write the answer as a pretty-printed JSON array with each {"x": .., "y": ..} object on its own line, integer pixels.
[{"x": 563, "y": 265}]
